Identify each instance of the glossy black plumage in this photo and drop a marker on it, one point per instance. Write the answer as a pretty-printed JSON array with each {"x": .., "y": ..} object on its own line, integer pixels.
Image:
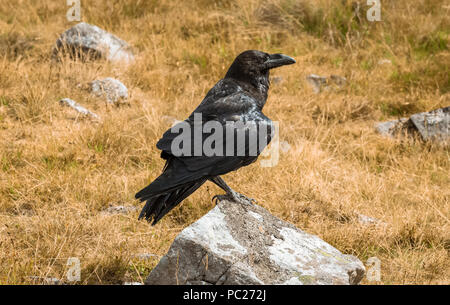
[{"x": 239, "y": 96}]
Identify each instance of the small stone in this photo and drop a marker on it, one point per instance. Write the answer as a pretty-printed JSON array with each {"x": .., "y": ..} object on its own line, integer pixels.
[
  {"x": 320, "y": 83},
  {"x": 384, "y": 61},
  {"x": 317, "y": 82},
  {"x": 366, "y": 220},
  {"x": 109, "y": 88},
  {"x": 120, "y": 209},
  {"x": 89, "y": 41},
  {"x": 77, "y": 107},
  {"x": 340, "y": 81}
]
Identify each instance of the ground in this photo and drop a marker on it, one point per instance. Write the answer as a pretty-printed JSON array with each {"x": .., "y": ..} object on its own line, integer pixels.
[{"x": 58, "y": 172}]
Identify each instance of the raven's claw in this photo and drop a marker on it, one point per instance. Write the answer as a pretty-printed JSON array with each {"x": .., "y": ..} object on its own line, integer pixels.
[
  {"x": 219, "y": 198},
  {"x": 245, "y": 198},
  {"x": 235, "y": 197}
]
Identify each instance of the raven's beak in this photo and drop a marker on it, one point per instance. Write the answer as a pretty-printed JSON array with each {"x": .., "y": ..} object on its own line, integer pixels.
[{"x": 278, "y": 60}]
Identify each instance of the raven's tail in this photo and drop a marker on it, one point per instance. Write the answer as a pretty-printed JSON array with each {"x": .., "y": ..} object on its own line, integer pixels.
[{"x": 158, "y": 205}]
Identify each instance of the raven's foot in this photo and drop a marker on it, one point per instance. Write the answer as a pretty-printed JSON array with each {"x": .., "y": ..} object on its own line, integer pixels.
[
  {"x": 235, "y": 197},
  {"x": 219, "y": 198},
  {"x": 244, "y": 199}
]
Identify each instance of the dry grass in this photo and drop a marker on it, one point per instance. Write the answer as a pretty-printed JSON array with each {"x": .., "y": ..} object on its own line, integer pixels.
[{"x": 59, "y": 171}]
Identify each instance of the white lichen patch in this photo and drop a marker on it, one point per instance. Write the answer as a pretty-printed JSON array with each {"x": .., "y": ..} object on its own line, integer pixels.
[
  {"x": 217, "y": 238},
  {"x": 255, "y": 215},
  {"x": 309, "y": 256},
  {"x": 292, "y": 281}
]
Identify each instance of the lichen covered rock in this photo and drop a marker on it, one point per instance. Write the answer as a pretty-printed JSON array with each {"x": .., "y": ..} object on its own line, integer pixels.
[{"x": 233, "y": 244}]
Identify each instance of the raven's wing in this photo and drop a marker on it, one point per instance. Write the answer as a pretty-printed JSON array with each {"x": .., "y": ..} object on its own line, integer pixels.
[
  {"x": 183, "y": 174},
  {"x": 232, "y": 108}
]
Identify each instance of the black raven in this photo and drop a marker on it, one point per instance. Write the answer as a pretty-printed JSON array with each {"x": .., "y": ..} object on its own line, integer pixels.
[{"x": 238, "y": 97}]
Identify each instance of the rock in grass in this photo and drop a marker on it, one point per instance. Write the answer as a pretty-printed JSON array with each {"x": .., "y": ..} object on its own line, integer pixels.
[
  {"x": 391, "y": 128},
  {"x": 317, "y": 82},
  {"x": 119, "y": 209},
  {"x": 236, "y": 245},
  {"x": 77, "y": 107},
  {"x": 433, "y": 125},
  {"x": 430, "y": 126},
  {"x": 320, "y": 83},
  {"x": 87, "y": 41},
  {"x": 339, "y": 81},
  {"x": 366, "y": 220},
  {"x": 109, "y": 88}
]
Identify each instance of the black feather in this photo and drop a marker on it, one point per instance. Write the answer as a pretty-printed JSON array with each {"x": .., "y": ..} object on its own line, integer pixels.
[{"x": 239, "y": 96}]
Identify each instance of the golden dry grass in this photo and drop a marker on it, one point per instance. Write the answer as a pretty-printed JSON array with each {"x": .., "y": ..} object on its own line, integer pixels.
[{"x": 59, "y": 171}]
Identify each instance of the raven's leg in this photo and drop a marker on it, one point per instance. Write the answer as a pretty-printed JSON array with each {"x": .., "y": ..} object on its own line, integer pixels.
[{"x": 230, "y": 193}]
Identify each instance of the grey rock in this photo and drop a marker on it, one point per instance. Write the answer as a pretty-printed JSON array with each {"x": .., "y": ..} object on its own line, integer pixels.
[
  {"x": 340, "y": 81},
  {"x": 430, "y": 126},
  {"x": 119, "y": 209},
  {"x": 321, "y": 83},
  {"x": 77, "y": 107},
  {"x": 433, "y": 125},
  {"x": 132, "y": 283},
  {"x": 366, "y": 220},
  {"x": 317, "y": 82},
  {"x": 390, "y": 128},
  {"x": 89, "y": 41},
  {"x": 109, "y": 88},
  {"x": 233, "y": 244}
]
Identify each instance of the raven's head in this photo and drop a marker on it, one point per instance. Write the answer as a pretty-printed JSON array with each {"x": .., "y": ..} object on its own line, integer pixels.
[
  {"x": 251, "y": 63},
  {"x": 253, "y": 66}
]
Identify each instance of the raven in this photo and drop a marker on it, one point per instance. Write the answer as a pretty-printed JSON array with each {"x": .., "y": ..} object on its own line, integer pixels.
[{"x": 238, "y": 97}]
